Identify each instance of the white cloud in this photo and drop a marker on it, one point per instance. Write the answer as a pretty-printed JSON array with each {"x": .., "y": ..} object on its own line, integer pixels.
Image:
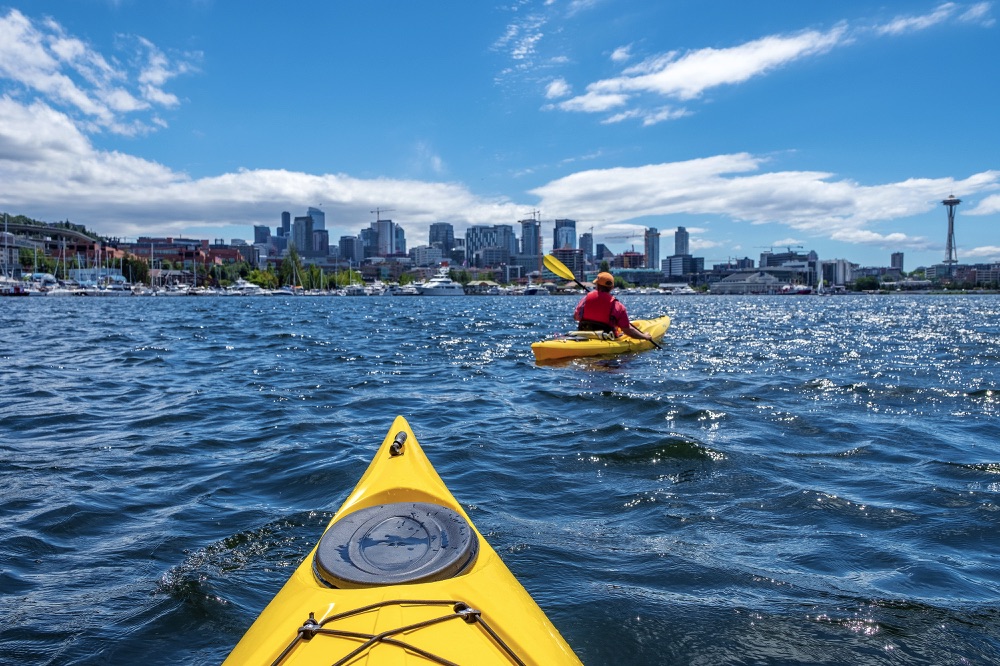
[
  {"x": 48, "y": 166},
  {"x": 648, "y": 116},
  {"x": 66, "y": 72},
  {"x": 978, "y": 13},
  {"x": 557, "y": 88},
  {"x": 988, "y": 206},
  {"x": 594, "y": 102},
  {"x": 689, "y": 75},
  {"x": 984, "y": 252},
  {"x": 622, "y": 53},
  {"x": 733, "y": 187}
]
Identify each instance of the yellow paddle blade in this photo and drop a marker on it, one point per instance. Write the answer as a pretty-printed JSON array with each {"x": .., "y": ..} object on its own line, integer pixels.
[{"x": 558, "y": 267}]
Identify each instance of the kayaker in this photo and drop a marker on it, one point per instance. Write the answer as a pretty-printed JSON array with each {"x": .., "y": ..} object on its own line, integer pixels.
[{"x": 598, "y": 310}]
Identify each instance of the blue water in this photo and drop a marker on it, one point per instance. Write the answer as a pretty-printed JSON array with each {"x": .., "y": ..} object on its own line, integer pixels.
[{"x": 790, "y": 480}]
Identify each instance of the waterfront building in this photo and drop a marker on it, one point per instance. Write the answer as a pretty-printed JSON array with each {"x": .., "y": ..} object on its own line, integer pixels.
[
  {"x": 747, "y": 283},
  {"x": 839, "y": 272},
  {"x": 683, "y": 266},
  {"x": 426, "y": 255}
]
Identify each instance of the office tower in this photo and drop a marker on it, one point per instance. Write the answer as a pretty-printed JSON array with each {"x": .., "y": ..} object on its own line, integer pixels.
[
  {"x": 564, "y": 235},
  {"x": 400, "y": 240},
  {"x": 319, "y": 218},
  {"x": 386, "y": 231},
  {"x": 261, "y": 234},
  {"x": 531, "y": 237},
  {"x": 681, "y": 242},
  {"x": 587, "y": 245},
  {"x": 481, "y": 238},
  {"x": 352, "y": 249},
  {"x": 302, "y": 235},
  {"x": 652, "y": 247},
  {"x": 442, "y": 235}
]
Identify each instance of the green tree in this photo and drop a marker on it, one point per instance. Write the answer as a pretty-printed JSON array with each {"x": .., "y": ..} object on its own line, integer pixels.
[
  {"x": 290, "y": 271},
  {"x": 866, "y": 283},
  {"x": 605, "y": 266},
  {"x": 263, "y": 278},
  {"x": 312, "y": 277}
]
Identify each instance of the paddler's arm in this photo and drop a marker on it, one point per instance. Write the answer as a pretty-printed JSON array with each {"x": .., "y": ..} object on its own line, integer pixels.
[{"x": 633, "y": 332}]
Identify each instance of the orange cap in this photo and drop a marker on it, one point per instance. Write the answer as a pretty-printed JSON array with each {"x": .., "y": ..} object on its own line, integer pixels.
[{"x": 605, "y": 280}]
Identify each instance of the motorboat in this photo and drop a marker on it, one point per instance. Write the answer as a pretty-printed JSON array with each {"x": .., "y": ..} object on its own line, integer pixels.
[{"x": 441, "y": 285}]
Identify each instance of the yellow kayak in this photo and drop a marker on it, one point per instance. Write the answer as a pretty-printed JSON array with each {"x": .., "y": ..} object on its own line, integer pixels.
[
  {"x": 592, "y": 343},
  {"x": 402, "y": 576}
]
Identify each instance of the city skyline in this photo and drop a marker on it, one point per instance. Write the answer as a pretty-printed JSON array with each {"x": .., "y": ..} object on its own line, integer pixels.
[{"x": 837, "y": 128}]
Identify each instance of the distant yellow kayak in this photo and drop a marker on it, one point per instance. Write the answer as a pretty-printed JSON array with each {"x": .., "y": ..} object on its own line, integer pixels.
[
  {"x": 402, "y": 576},
  {"x": 591, "y": 343}
]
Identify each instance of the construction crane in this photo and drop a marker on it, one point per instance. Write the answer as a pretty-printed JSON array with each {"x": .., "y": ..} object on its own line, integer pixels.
[
  {"x": 770, "y": 248},
  {"x": 636, "y": 234},
  {"x": 378, "y": 211}
]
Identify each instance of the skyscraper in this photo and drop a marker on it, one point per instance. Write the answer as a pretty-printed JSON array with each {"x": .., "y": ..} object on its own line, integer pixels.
[
  {"x": 319, "y": 218},
  {"x": 564, "y": 235},
  {"x": 587, "y": 245},
  {"x": 302, "y": 235},
  {"x": 442, "y": 235},
  {"x": 681, "y": 241},
  {"x": 386, "y": 231},
  {"x": 531, "y": 237},
  {"x": 261, "y": 234},
  {"x": 652, "y": 247}
]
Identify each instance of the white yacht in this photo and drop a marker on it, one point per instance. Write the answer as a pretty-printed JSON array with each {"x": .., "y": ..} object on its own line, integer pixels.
[{"x": 441, "y": 285}]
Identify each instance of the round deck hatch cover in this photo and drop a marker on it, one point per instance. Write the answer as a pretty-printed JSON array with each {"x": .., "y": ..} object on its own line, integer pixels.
[{"x": 389, "y": 544}]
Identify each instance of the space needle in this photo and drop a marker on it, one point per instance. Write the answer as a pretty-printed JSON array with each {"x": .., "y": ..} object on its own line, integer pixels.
[{"x": 951, "y": 255}]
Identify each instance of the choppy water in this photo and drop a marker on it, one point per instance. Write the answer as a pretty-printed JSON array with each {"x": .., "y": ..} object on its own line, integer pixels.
[{"x": 792, "y": 479}]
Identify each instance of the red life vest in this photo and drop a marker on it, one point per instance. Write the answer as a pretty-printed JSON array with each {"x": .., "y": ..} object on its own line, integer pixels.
[{"x": 597, "y": 308}]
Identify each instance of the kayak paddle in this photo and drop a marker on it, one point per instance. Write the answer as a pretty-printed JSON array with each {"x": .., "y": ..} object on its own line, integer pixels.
[{"x": 561, "y": 269}]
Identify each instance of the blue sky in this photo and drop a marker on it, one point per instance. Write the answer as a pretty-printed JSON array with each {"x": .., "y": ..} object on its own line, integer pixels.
[{"x": 838, "y": 126}]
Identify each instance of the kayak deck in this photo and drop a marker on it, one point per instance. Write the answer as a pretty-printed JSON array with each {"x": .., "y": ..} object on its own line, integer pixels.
[
  {"x": 479, "y": 615},
  {"x": 585, "y": 343}
]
